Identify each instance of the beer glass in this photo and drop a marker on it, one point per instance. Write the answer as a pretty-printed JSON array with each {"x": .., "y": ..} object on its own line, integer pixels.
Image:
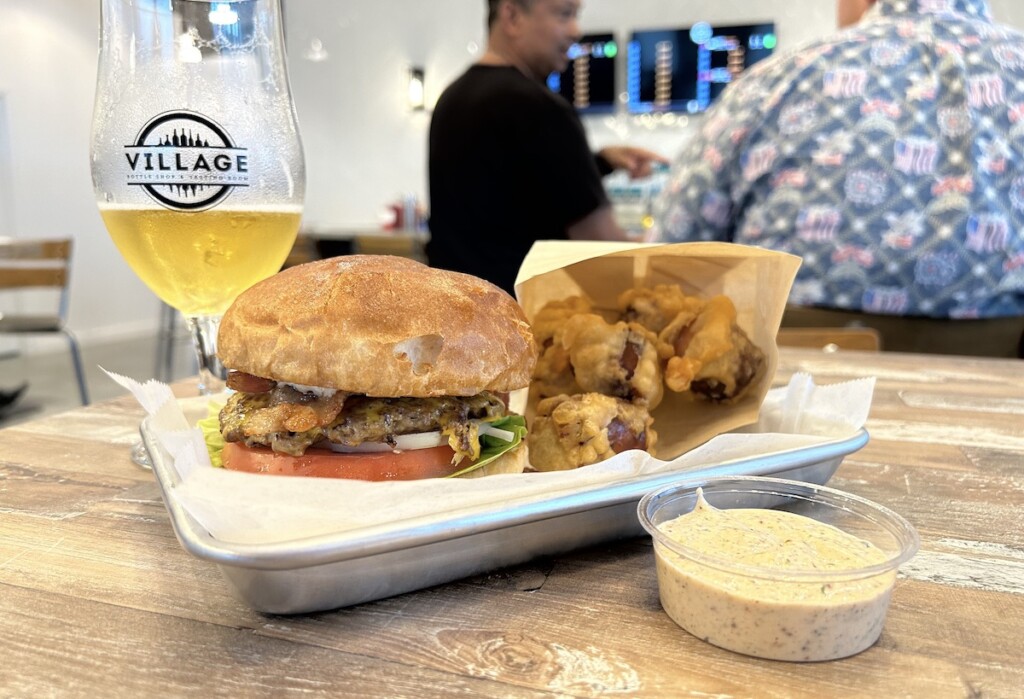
[{"x": 197, "y": 163}]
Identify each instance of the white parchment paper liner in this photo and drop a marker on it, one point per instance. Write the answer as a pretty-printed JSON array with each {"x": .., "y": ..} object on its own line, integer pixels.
[{"x": 248, "y": 508}]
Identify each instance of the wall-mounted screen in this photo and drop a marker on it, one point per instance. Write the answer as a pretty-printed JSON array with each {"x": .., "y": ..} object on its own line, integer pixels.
[
  {"x": 588, "y": 83},
  {"x": 684, "y": 70}
]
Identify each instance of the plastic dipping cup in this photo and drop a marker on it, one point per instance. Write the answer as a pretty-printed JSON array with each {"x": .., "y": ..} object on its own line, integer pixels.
[{"x": 778, "y": 611}]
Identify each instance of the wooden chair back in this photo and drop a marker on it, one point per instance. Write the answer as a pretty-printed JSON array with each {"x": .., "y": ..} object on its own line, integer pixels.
[
  {"x": 34, "y": 263},
  {"x": 864, "y": 339},
  {"x": 40, "y": 264}
]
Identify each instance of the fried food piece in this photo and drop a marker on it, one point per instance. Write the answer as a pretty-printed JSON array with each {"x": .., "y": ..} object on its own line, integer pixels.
[
  {"x": 573, "y": 431},
  {"x": 656, "y": 308},
  {"x": 619, "y": 360},
  {"x": 281, "y": 409},
  {"x": 713, "y": 357},
  {"x": 553, "y": 374},
  {"x": 551, "y": 318},
  {"x": 284, "y": 418}
]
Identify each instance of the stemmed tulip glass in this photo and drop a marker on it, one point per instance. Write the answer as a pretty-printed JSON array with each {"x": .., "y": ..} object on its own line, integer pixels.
[{"x": 197, "y": 163}]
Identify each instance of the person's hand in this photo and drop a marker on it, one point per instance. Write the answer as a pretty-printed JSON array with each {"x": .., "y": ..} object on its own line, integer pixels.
[{"x": 638, "y": 162}]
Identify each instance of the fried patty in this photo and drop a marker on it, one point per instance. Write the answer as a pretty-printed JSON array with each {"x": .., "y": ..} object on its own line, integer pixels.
[{"x": 289, "y": 421}]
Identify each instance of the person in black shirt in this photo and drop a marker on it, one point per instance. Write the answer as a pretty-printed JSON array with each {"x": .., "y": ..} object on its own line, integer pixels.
[{"x": 509, "y": 162}]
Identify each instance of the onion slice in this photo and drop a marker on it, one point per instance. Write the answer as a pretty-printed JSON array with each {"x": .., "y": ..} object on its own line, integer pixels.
[
  {"x": 420, "y": 440},
  {"x": 403, "y": 442},
  {"x": 503, "y": 435}
]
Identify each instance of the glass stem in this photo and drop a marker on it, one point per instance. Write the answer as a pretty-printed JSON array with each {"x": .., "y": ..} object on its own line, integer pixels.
[{"x": 212, "y": 373}]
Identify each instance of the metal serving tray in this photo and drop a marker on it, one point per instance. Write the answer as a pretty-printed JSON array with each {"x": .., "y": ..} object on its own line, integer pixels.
[{"x": 331, "y": 571}]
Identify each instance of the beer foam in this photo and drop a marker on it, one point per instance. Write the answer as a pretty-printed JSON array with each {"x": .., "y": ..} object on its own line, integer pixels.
[{"x": 246, "y": 208}]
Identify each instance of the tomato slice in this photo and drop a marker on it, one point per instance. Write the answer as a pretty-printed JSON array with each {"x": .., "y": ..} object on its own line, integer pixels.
[{"x": 411, "y": 464}]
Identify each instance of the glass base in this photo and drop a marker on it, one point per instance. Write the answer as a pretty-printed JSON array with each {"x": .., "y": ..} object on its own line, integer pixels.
[
  {"x": 140, "y": 456},
  {"x": 212, "y": 373}
]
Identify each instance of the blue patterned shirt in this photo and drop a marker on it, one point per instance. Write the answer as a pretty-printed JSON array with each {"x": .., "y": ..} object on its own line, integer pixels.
[{"x": 889, "y": 156}]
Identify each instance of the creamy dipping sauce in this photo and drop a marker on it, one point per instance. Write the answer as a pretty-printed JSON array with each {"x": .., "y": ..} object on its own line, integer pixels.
[{"x": 772, "y": 612}]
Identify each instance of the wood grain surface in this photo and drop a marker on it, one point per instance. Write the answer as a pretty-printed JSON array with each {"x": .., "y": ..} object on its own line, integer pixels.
[{"x": 98, "y": 599}]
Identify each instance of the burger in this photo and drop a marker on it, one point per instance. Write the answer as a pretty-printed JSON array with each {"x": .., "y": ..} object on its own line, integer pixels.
[{"x": 376, "y": 368}]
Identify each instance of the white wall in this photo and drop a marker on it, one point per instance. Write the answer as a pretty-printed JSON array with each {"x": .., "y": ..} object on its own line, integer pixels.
[
  {"x": 363, "y": 146},
  {"x": 47, "y": 77},
  {"x": 6, "y": 174}
]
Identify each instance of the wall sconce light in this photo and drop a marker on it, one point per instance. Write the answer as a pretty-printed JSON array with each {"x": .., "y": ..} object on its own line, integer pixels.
[
  {"x": 223, "y": 14},
  {"x": 416, "y": 98},
  {"x": 316, "y": 51}
]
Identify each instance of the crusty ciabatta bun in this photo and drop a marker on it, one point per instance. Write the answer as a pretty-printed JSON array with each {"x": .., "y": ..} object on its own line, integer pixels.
[{"x": 380, "y": 326}]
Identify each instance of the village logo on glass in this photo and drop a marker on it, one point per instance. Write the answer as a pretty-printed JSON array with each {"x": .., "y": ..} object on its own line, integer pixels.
[{"x": 186, "y": 161}]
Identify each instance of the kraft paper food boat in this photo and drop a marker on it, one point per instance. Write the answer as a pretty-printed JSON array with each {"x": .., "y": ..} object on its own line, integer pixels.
[
  {"x": 286, "y": 546},
  {"x": 757, "y": 281}
]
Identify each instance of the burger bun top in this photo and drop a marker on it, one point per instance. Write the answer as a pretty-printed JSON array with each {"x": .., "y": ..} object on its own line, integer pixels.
[{"x": 382, "y": 326}]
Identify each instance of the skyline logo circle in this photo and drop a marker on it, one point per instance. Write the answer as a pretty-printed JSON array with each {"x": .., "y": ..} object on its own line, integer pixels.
[{"x": 186, "y": 161}]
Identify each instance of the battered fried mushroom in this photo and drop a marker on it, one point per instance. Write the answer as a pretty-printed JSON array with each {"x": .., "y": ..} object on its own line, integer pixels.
[
  {"x": 551, "y": 318},
  {"x": 713, "y": 357},
  {"x": 619, "y": 360},
  {"x": 553, "y": 373},
  {"x": 573, "y": 431},
  {"x": 656, "y": 308}
]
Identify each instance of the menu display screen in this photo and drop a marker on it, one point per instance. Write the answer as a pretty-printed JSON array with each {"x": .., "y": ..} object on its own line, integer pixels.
[
  {"x": 684, "y": 70},
  {"x": 588, "y": 83}
]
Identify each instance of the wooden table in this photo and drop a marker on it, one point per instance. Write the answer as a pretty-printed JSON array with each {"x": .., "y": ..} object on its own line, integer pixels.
[{"x": 98, "y": 599}]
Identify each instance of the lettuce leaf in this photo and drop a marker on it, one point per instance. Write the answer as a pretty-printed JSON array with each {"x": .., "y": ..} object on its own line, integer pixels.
[
  {"x": 492, "y": 447},
  {"x": 210, "y": 427}
]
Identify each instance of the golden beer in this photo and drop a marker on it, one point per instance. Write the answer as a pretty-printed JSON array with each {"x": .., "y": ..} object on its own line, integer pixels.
[{"x": 198, "y": 262}]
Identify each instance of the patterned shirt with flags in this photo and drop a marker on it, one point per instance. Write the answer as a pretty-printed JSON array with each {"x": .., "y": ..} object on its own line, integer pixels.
[{"x": 889, "y": 156}]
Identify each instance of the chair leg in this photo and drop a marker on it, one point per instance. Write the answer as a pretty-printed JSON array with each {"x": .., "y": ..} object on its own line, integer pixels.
[
  {"x": 161, "y": 345},
  {"x": 76, "y": 360},
  {"x": 169, "y": 339}
]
